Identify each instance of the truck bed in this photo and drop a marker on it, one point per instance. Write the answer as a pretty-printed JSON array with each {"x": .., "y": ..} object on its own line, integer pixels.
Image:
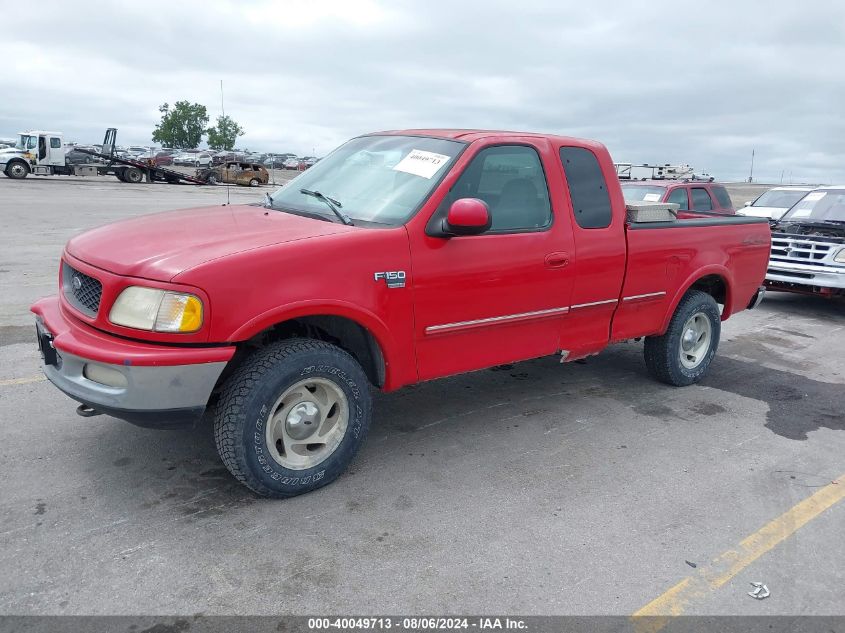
[{"x": 664, "y": 258}]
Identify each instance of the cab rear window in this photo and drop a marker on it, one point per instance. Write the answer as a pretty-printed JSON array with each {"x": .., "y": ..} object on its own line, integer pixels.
[
  {"x": 722, "y": 196},
  {"x": 587, "y": 188}
]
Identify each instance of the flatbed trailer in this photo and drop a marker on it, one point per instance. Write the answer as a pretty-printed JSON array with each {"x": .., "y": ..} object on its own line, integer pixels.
[{"x": 43, "y": 154}]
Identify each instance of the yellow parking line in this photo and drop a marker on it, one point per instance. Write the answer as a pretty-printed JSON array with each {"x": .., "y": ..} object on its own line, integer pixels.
[
  {"x": 727, "y": 565},
  {"x": 21, "y": 381}
]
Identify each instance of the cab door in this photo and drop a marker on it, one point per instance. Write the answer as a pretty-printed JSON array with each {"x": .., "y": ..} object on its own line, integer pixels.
[
  {"x": 55, "y": 151},
  {"x": 500, "y": 296}
]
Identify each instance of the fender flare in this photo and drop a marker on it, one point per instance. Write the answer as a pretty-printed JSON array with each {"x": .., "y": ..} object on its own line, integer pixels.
[
  {"x": 714, "y": 269},
  {"x": 327, "y": 307}
]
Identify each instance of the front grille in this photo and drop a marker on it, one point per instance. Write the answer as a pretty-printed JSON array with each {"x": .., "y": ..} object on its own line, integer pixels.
[
  {"x": 787, "y": 249},
  {"x": 83, "y": 292}
]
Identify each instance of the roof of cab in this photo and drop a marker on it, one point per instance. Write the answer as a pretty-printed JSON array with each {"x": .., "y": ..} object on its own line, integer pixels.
[{"x": 468, "y": 135}]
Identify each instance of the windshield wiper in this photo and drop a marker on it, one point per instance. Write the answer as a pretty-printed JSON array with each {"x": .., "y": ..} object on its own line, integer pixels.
[{"x": 332, "y": 204}]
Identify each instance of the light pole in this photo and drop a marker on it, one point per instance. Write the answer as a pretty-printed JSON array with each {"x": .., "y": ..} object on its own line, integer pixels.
[{"x": 751, "y": 175}]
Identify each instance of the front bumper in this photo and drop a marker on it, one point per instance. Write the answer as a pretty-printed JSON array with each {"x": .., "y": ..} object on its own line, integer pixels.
[
  {"x": 807, "y": 275},
  {"x": 148, "y": 384}
]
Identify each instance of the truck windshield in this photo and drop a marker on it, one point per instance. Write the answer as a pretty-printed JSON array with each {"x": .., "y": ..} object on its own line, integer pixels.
[
  {"x": 643, "y": 193},
  {"x": 380, "y": 179},
  {"x": 779, "y": 198},
  {"x": 819, "y": 206},
  {"x": 27, "y": 142}
]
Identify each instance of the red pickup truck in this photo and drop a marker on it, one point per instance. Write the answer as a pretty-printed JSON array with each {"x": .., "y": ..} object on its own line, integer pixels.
[{"x": 401, "y": 257}]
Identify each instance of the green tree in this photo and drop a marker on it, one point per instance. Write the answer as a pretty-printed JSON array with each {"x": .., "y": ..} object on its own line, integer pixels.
[
  {"x": 224, "y": 134},
  {"x": 181, "y": 127}
]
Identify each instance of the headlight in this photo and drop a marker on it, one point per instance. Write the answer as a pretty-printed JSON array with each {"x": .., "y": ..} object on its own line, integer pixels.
[
  {"x": 157, "y": 310},
  {"x": 840, "y": 256}
]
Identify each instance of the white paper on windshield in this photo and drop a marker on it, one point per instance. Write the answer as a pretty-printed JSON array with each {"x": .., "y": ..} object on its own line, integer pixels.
[
  {"x": 801, "y": 213},
  {"x": 651, "y": 197},
  {"x": 816, "y": 195},
  {"x": 421, "y": 163}
]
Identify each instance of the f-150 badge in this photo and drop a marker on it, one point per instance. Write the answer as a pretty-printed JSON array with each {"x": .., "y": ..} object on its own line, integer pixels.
[{"x": 393, "y": 278}]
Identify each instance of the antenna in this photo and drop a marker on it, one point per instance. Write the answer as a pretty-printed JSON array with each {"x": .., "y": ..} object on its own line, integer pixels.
[{"x": 223, "y": 110}]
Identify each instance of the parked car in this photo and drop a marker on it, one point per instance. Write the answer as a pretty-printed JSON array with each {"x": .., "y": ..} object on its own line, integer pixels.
[
  {"x": 808, "y": 245},
  {"x": 774, "y": 203},
  {"x": 224, "y": 156},
  {"x": 202, "y": 159},
  {"x": 159, "y": 159},
  {"x": 291, "y": 163},
  {"x": 465, "y": 250},
  {"x": 694, "y": 198},
  {"x": 235, "y": 173},
  {"x": 184, "y": 158},
  {"x": 75, "y": 157}
]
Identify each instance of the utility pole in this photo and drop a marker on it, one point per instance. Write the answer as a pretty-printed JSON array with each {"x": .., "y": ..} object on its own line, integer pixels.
[{"x": 751, "y": 175}]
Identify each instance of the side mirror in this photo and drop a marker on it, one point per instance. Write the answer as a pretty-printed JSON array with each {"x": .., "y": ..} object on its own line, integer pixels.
[
  {"x": 467, "y": 216},
  {"x": 748, "y": 203}
]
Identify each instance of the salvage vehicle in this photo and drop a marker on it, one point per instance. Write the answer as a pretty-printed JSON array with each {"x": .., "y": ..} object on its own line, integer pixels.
[
  {"x": 694, "y": 198},
  {"x": 401, "y": 257},
  {"x": 808, "y": 245},
  {"x": 775, "y": 202},
  {"x": 235, "y": 173}
]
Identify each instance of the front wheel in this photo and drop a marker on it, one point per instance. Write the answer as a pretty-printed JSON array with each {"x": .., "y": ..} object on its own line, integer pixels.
[
  {"x": 683, "y": 354},
  {"x": 17, "y": 169},
  {"x": 292, "y": 417}
]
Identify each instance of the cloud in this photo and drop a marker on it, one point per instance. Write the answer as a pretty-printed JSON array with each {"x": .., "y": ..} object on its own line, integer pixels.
[{"x": 655, "y": 81}]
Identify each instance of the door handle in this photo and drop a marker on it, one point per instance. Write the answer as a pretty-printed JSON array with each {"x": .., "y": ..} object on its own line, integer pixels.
[{"x": 557, "y": 260}]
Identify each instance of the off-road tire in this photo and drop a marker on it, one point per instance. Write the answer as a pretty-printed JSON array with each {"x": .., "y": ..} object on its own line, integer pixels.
[
  {"x": 252, "y": 390},
  {"x": 662, "y": 353},
  {"x": 17, "y": 170},
  {"x": 133, "y": 175}
]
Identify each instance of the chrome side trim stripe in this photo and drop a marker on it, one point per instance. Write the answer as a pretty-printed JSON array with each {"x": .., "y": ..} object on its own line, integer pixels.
[
  {"x": 647, "y": 295},
  {"x": 460, "y": 325},
  {"x": 594, "y": 303}
]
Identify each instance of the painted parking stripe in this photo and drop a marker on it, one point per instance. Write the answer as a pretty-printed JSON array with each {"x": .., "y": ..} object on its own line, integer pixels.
[
  {"x": 723, "y": 568},
  {"x": 22, "y": 381}
]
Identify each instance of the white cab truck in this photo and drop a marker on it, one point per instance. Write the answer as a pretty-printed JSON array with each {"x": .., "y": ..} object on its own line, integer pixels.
[
  {"x": 808, "y": 245},
  {"x": 42, "y": 153},
  {"x": 774, "y": 203}
]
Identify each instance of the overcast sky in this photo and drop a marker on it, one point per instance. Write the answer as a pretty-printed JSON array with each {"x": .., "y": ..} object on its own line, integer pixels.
[{"x": 696, "y": 82}]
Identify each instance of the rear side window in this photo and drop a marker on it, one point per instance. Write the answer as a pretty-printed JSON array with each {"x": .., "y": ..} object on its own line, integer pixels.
[
  {"x": 701, "y": 199},
  {"x": 587, "y": 188},
  {"x": 679, "y": 197},
  {"x": 55, "y": 143},
  {"x": 722, "y": 196}
]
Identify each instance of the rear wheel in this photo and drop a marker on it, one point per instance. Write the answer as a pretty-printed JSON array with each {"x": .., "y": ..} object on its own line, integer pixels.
[
  {"x": 133, "y": 175},
  {"x": 683, "y": 354},
  {"x": 292, "y": 417},
  {"x": 253, "y": 182},
  {"x": 212, "y": 179},
  {"x": 17, "y": 169}
]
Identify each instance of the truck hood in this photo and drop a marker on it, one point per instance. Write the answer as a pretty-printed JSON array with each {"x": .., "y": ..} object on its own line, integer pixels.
[
  {"x": 162, "y": 245},
  {"x": 763, "y": 212}
]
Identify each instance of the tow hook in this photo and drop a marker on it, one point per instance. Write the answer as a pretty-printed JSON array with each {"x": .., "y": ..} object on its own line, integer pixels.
[{"x": 87, "y": 412}]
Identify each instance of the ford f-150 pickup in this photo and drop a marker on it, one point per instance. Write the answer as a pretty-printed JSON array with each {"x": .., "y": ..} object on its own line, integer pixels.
[
  {"x": 808, "y": 245},
  {"x": 401, "y": 257}
]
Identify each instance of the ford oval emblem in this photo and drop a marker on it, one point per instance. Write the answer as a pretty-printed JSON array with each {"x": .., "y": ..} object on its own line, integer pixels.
[{"x": 76, "y": 282}]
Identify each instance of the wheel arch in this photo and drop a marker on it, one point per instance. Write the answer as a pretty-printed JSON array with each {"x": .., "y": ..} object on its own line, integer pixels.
[
  {"x": 356, "y": 331},
  {"x": 713, "y": 280}
]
